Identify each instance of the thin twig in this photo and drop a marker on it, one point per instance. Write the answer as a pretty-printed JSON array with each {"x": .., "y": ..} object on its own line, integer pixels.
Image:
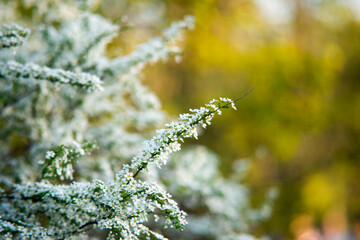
[{"x": 181, "y": 132}]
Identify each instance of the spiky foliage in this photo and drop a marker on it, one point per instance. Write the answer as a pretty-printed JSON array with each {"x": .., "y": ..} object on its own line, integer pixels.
[{"x": 71, "y": 143}]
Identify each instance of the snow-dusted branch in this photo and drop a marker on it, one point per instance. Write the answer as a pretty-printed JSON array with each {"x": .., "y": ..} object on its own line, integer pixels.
[
  {"x": 168, "y": 140},
  {"x": 12, "y": 35},
  {"x": 14, "y": 71},
  {"x": 122, "y": 206},
  {"x": 151, "y": 51},
  {"x": 59, "y": 161}
]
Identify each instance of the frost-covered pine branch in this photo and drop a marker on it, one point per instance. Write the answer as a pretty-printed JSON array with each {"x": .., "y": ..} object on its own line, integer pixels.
[
  {"x": 26, "y": 73},
  {"x": 60, "y": 160},
  {"x": 156, "y": 49},
  {"x": 13, "y": 35},
  {"x": 168, "y": 140},
  {"x": 122, "y": 206}
]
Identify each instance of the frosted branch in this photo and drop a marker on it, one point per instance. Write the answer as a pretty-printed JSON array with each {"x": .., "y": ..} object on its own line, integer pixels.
[
  {"x": 168, "y": 140},
  {"x": 150, "y": 52},
  {"x": 123, "y": 205},
  {"x": 59, "y": 161},
  {"x": 13, "y": 70},
  {"x": 13, "y": 35}
]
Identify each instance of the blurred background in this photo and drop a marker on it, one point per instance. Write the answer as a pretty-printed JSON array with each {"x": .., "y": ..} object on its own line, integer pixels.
[{"x": 300, "y": 126}]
